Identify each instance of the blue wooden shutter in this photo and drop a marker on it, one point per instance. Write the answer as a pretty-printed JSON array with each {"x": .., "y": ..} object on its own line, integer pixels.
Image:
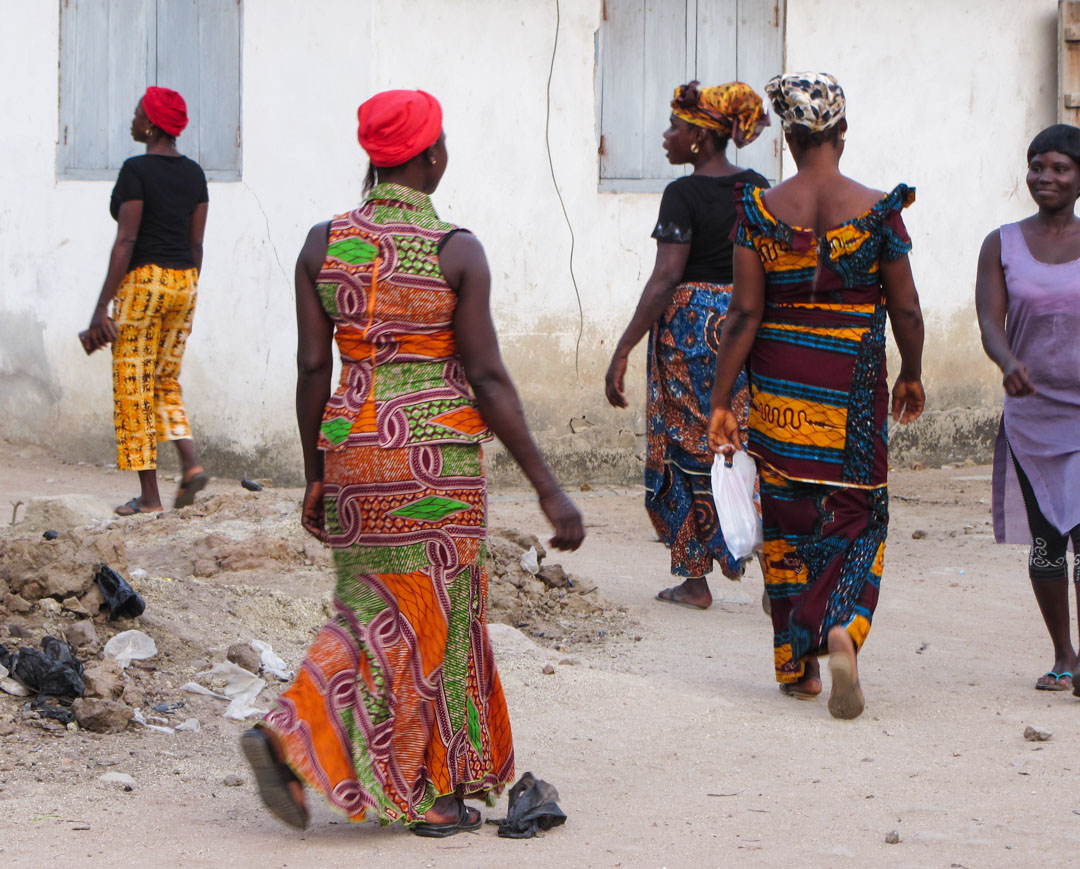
[
  {"x": 198, "y": 54},
  {"x": 105, "y": 61}
]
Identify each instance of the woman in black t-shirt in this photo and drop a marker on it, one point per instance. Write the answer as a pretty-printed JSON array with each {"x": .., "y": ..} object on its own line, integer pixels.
[
  {"x": 159, "y": 203},
  {"x": 683, "y": 307}
]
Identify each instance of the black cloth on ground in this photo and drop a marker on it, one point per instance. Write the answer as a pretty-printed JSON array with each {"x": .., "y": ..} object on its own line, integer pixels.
[
  {"x": 699, "y": 210},
  {"x": 170, "y": 188}
]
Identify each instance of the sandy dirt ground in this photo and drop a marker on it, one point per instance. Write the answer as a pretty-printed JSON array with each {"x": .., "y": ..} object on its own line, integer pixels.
[{"x": 665, "y": 733}]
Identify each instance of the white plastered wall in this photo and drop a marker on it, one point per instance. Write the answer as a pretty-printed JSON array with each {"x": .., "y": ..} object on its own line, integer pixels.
[{"x": 944, "y": 94}]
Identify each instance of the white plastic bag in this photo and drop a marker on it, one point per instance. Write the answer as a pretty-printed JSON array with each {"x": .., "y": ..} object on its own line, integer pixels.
[
  {"x": 733, "y": 480},
  {"x": 130, "y": 646}
]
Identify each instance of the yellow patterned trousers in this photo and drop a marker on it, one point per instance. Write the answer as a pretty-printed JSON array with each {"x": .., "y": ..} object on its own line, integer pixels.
[{"x": 153, "y": 310}]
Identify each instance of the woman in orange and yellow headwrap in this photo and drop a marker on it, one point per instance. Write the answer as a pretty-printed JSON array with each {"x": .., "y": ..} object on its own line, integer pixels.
[{"x": 683, "y": 307}]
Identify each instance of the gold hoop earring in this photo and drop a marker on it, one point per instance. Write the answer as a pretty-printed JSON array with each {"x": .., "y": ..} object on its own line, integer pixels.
[
  {"x": 694, "y": 148},
  {"x": 149, "y": 130},
  {"x": 433, "y": 161}
]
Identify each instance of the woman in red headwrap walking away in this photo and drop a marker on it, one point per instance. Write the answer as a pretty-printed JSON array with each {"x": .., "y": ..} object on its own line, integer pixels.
[
  {"x": 682, "y": 309},
  {"x": 159, "y": 203},
  {"x": 397, "y": 710}
]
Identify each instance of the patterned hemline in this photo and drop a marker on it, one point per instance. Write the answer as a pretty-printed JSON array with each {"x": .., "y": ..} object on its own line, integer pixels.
[{"x": 787, "y": 476}]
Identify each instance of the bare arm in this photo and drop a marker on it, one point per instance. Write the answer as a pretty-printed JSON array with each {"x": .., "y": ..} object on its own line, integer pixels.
[
  {"x": 198, "y": 227},
  {"x": 745, "y": 310},
  {"x": 314, "y": 370},
  {"x": 102, "y": 329},
  {"x": 466, "y": 270},
  {"x": 991, "y": 305},
  {"x": 667, "y": 272},
  {"x": 905, "y": 315}
]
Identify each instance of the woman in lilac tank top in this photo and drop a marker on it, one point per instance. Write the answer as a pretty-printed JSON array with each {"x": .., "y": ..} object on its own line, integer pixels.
[{"x": 1027, "y": 294}]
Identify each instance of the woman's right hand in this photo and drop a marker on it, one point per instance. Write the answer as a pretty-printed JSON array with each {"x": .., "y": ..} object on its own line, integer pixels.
[
  {"x": 724, "y": 431},
  {"x": 1017, "y": 380},
  {"x": 102, "y": 330},
  {"x": 313, "y": 513},
  {"x": 615, "y": 380},
  {"x": 565, "y": 518}
]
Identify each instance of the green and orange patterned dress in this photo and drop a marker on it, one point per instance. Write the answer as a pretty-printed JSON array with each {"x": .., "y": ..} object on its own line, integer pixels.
[{"x": 398, "y": 701}]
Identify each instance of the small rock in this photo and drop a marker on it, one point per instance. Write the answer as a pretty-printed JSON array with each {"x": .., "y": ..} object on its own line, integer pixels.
[
  {"x": 102, "y": 679},
  {"x": 251, "y": 485},
  {"x": 93, "y": 600},
  {"x": 232, "y": 781},
  {"x": 50, "y": 534},
  {"x": 81, "y": 633},
  {"x": 16, "y": 604},
  {"x": 13, "y": 687},
  {"x": 50, "y": 608},
  {"x": 117, "y": 778},
  {"x": 18, "y": 631},
  {"x": 553, "y": 576},
  {"x": 917, "y": 534},
  {"x": 892, "y": 838},
  {"x": 102, "y": 716},
  {"x": 133, "y": 696},
  {"x": 244, "y": 656},
  {"x": 1037, "y": 734},
  {"x": 74, "y": 605},
  {"x": 549, "y": 669}
]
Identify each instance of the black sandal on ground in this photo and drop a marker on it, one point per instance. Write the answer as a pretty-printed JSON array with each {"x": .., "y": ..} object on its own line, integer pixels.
[
  {"x": 449, "y": 828},
  {"x": 273, "y": 779}
]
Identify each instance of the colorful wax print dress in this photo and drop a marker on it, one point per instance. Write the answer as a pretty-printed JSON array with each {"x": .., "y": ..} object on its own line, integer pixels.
[
  {"x": 819, "y": 404},
  {"x": 398, "y": 701},
  {"x": 699, "y": 211}
]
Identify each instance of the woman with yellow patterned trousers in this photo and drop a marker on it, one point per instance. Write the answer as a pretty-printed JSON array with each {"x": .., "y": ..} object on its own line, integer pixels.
[
  {"x": 820, "y": 262},
  {"x": 160, "y": 203},
  {"x": 397, "y": 712}
]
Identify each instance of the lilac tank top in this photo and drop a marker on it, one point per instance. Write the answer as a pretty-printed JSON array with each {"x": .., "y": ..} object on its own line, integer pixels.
[{"x": 1043, "y": 430}]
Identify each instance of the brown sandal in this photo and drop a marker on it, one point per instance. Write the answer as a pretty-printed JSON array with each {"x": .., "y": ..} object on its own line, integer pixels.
[{"x": 185, "y": 494}]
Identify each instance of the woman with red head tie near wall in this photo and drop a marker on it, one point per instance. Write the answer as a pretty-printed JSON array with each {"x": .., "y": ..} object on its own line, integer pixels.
[
  {"x": 160, "y": 203},
  {"x": 397, "y": 709}
]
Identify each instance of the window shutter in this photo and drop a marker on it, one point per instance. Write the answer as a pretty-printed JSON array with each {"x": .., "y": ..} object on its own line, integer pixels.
[
  {"x": 103, "y": 70},
  {"x": 219, "y": 86},
  {"x": 1068, "y": 110},
  {"x": 666, "y": 67},
  {"x": 760, "y": 56},
  {"x": 621, "y": 105}
]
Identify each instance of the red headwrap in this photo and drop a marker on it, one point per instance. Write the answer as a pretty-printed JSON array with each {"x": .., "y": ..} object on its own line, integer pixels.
[
  {"x": 166, "y": 110},
  {"x": 395, "y": 126}
]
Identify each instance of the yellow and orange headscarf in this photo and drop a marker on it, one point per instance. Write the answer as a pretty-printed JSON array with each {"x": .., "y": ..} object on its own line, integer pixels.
[{"x": 733, "y": 110}]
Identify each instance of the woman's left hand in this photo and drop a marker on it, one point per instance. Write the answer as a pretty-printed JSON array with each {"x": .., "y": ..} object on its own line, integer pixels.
[
  {"x": 724, "y": 431},
  {"x": 908, "y": 399},
  {"x": 313, "y": 513},
  {"x": 615, "y": 381}
]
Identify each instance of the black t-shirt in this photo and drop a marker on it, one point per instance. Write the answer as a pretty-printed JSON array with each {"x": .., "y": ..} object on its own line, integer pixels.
[
  {"x": 699, "y": 210},
  {"x": 170, "y": 188}
]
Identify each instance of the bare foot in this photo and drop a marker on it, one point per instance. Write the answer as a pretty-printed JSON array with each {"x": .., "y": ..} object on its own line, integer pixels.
[
  {"x": 693, "y": 593},
  {"x": 846, "y": 697},
  {"x": 808, "y": 687}
]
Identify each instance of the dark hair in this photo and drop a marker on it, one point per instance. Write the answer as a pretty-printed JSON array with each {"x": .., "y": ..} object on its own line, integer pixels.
[
  {"x": 369, "y": 179},
  {"x": 804, "y": 137},
  {"x": 719, "y": 141},
  {"x": 1063, "y": 138}
]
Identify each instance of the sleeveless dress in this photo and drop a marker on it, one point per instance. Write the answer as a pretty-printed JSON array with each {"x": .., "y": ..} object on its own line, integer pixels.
[
  {"x": 398, "y": 701},
  {"x": 1042, "y": 324},
  {"x": 819, "y": 405}
]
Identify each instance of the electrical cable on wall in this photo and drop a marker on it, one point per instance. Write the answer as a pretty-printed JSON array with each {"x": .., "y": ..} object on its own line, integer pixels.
[{"x": 562, "y": 204}]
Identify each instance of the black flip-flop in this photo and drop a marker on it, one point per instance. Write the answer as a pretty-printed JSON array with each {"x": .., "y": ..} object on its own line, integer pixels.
[
  {"x": 450, "y": 828},
  {"x": 132, "y": 508},
  {"x": 273, "y": 779},
  {"x": 667, "y": 595},
  {"x": 188, "y": 489}
]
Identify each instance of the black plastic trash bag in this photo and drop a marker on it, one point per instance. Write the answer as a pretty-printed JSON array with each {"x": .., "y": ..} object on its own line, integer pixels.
[
  {"x": 122, "y": 599},
  {"x": 532, "y": 808},
  {"x": 54, "y": 673},
  {"x": 53, "y": 707}
]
